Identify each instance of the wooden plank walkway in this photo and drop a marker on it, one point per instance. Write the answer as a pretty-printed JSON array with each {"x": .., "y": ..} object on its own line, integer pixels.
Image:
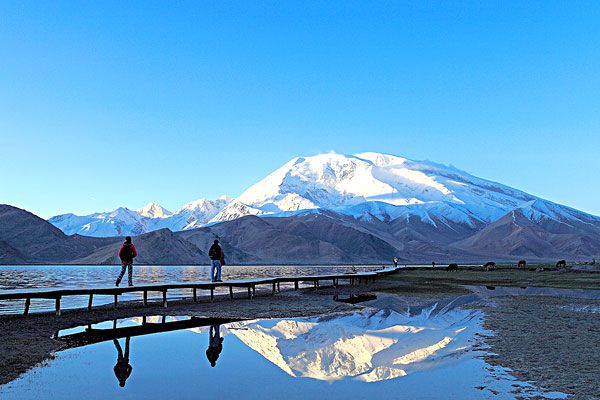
[{"x": 249, "y": 284}]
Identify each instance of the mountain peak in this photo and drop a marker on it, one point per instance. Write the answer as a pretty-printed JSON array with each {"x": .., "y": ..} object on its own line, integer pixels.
[{"x": 154, "y": 210}]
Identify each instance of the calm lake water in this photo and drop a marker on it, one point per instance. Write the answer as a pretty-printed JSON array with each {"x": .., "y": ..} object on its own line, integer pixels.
[
  {"x": 385, "y": 354},
  {"x": 66, "y": 276}
]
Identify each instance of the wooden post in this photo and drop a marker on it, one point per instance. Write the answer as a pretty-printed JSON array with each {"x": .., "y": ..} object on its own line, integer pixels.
[
  {"x": 144, "y": 320},
  {"x": 212, "y": 294},
  {"x": 116, "y": 299},
  {"x": 231, "y": 292},
  {"x": 58, "y": 306},
  {"x": 253, "y": 290},
  {"x": 27, "y": 303},
  {"x": 145, "y": 297},
  {"x": 90, "y": 301},
  {"x": 165, "y": 298},
  {"x": 249, "y": 292},
  {"x": 295, "y": 285},
  {"x": 273, "y": 293},
  {"x": 195, "y": 298}
]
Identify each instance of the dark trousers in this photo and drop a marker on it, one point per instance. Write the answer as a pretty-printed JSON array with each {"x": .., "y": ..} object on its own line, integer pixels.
[{"x": 129, "y": 266}]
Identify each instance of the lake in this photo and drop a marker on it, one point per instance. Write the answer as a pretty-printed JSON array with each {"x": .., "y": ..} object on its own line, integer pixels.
[{"x": 374, "y": 354}]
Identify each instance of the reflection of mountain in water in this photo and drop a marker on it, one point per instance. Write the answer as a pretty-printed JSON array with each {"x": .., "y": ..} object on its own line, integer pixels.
[{"x": 366, "y": 346}]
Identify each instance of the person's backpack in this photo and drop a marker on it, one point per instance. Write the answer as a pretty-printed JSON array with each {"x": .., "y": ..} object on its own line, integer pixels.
[
  {"x": 126, "y": 253},
  {"x": 214, "y": 252}
]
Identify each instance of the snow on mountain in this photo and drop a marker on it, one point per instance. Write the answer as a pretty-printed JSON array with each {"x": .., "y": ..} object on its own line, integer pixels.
[
  {"x": 123, "y": 221},
  {"x": 235, "y": 210},
  {"x": 153, "y": 210},
  {"x": 197, "y": 213},
  {"x": 349, "y": 183},
  {"x": 367, "y": 186},
  {"x": 119, "y": 222}
]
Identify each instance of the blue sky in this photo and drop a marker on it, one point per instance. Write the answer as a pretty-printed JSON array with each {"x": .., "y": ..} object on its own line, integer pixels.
[{"x": 104, "y": 104}]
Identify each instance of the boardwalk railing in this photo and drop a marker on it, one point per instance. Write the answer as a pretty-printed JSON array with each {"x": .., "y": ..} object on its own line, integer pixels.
[{"x": 249, "y": 284}]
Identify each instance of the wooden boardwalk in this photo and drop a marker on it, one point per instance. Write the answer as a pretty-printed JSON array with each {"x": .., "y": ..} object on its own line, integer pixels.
[{"x": 249, "y": 284}]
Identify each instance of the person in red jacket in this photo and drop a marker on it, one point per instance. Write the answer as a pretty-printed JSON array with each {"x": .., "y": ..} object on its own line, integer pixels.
[{"x": 127, "y": 254}]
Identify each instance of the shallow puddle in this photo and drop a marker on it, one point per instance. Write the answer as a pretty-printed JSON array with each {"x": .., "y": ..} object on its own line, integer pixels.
[{"x": 372, "y": 354}]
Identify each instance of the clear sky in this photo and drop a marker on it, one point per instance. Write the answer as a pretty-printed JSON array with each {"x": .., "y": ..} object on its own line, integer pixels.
[{"x": 107, "y": 104}]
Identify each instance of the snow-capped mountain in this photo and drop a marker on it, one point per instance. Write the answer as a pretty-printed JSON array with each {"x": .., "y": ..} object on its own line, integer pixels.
[
  {"x": 119, "y": 222},
  {"x": 418, "y": 200},
  {"x": 153, "y": 210},
  {"x": 123, "y": 221},
  {"x": 382, "y": 186}
]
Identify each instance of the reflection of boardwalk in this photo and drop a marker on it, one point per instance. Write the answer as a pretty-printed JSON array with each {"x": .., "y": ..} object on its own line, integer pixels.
[{"x": 90, "y": 336}]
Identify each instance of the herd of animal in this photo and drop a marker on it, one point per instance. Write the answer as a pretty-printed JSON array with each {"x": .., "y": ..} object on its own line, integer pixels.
[{"x": 489, "y": 266}]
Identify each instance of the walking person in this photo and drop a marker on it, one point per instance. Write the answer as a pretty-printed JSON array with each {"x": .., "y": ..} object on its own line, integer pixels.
[
  {"x": 395, "y": 261},
  {"x": 127, "y": 254},
  {"x": 215, "y": 253}
]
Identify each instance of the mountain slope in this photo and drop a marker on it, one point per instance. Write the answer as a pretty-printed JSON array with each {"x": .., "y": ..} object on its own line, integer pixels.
[
  {"x": 161, "y": 247},
  {"x": 538, "y": 229},
  {"x": 26, "y": 238},
  {"x": 308, "y": 239}
]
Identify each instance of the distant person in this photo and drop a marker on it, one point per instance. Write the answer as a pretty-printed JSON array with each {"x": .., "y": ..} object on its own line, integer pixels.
[
  {"x": 122, "y": 367},
  {"x": 433, "y": 264},
  {"x": 395, "y": 262},
  {"x": 127, "y": 254},
  {"x": 215, "y": 253},
  {"x": 215, "y": 345}
]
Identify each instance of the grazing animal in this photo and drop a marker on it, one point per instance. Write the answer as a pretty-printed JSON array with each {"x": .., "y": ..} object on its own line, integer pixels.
[
  {"x": 522, "y": 264},
  {"x": 561, "y": 264},
  {"x": 489, "y": 266},
  {"x": 452, "y": 267}
]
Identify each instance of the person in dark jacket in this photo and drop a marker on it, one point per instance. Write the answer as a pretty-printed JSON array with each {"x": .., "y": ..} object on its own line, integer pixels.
[
  {"x": 215, "y": 345},
  {"x": 127, "y": 254},
  {"x": 122, "y": 367},
  {"x": 215, "y": 261}
]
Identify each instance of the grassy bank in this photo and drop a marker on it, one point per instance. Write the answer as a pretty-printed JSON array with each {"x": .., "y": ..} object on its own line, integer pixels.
[{"x": 429, "y": 280}]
